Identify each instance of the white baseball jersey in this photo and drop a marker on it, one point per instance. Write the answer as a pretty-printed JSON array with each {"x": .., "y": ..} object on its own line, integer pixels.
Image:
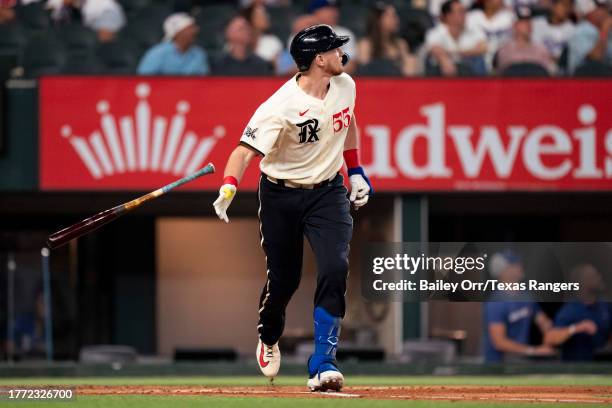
[
  {"x": 554, "y": 37},
  {"x": 498, "y": 28},
  {"x": 302, "y": 137},
  {"x": 440, "y": 36}
]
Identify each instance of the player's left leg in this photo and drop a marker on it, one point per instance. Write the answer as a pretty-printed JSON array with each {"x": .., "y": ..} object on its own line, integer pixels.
[{"x": 328, "y": 227}]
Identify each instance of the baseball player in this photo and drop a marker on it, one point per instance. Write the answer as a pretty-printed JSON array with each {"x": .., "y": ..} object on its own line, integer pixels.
[{"x": 303, "y": 131}]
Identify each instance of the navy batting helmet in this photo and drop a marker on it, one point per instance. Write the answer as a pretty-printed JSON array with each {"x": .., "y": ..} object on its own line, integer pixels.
[{"x": 315, "y": 40}]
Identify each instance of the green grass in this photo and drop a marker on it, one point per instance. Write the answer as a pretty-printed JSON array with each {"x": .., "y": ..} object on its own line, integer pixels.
[
  {"x": 258, "y": 402},
  {"x": 146, "y": 401},
  {"x": 534, "y": 380}
]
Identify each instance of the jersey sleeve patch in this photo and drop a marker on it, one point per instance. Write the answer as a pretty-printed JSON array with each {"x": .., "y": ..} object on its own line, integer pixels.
[{"x": 262, "y": 130}]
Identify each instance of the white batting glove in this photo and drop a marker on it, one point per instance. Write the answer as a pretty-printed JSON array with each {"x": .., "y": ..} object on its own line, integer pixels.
[
  {"x": 359, "y": 191},
  {"x": 222, "y": 203}
]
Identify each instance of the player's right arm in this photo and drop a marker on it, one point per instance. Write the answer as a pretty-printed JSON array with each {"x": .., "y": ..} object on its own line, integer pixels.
[
  {"x": 258, "y": 138},
  {"x": 238, "y": 162},
  {"x": 236, "y": 165}
]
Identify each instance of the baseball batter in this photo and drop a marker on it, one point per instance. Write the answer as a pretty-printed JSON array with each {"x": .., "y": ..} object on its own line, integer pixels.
[{"x": 304, "y": 132}]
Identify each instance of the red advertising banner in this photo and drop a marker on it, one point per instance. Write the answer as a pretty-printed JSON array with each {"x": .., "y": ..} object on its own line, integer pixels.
[{"x": 135, "y": 133}]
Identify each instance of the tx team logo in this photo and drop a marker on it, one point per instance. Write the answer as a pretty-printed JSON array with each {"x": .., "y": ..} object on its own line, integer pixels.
[
  {"x": 143, "y": 142},
  {"x": 309, "y": 130}
]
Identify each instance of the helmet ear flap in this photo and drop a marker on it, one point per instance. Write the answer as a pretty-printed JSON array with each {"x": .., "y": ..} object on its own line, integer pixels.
[{"x": 345, "y": 59}]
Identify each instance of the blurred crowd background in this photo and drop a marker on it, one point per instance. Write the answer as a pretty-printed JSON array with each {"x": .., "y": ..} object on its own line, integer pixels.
[{"x": 251, "y": 37}]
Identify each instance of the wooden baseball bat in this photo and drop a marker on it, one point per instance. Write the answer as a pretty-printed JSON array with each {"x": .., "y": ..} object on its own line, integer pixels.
[{"x": 92, "y": 223}]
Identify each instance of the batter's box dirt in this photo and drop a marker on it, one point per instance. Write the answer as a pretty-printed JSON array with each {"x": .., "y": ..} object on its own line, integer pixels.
[{"x": 560, "y": 394}]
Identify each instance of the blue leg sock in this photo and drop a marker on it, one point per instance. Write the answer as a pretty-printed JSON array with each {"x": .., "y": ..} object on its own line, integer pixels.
[{"x": 326, "y": 334}]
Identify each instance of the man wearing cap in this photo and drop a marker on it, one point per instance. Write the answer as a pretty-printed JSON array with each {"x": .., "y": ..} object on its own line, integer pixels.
[
  {"x": 521, "y": 48},
  {"x": 591, "y": 39},
  {"x": 305, "y": 132},
  {"x": 328, "y": 12},
  {"x": 176, "y": 55},
  {"x": 451, "y": 42},
  {"x": 507, "y": 319}
]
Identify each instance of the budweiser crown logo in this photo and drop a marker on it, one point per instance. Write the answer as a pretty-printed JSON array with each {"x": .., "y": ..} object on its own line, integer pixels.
[{"x": 142, "y": 142}]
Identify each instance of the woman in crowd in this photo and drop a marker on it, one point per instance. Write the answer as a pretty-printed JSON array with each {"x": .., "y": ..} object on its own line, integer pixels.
[
  {"x": 382, "y": 41},
  {"x": 496, "y": 22},
  {"x": 266, "y": 46},
  {"x": 555, "y": 29}
]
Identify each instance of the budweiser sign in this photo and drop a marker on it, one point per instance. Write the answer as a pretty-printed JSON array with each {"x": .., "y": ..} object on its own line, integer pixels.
[{"x": 424, "y": 135}]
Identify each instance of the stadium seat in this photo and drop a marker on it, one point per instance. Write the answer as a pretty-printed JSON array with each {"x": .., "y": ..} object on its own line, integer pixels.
[
  {"x": 12, "y": 40},
  {"x": 298, "y": 8},
  {"x": 210, "y": 39},
  {"x": 379, "y": 67},
  {"x": 118, "y": 57},
  {"x": 593, "y": 69},
  {"x": 142, "y": 35},
  {"x": 525, "y": 69},
  {"x": 280, "y": 22},
  {"x": 354, "y": 18},
  {"x": 212, "y": 21},
  {"x": 43, "y": 54},
  {"x": 219, "y": 13},
  {"x": 132, "y": 7},
  {"x": 77, "y": 39},
  {"x": 433, "y": 69},
  {"x": 154, "y": 15},
  {"x": 83, "y": 65},
  {"x": 34, "y": 16},
  {"x": 414, "y": 25}
]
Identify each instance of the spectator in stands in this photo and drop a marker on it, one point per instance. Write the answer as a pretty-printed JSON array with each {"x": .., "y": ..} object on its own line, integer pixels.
[
  {"x": 521, "y": 48},
  {"x": 382, "y": 41},
  {"x": 452, "y": 42},
  {"x": 327, "y": 12},
  {"x": 105, "y": 17},
  {"x": 583, "y": 325},
  {"x": 274, "y": 3},
  {"x": 506, "y": 320},
  {"x": 177, "y": 54},
  {"x": 238, "y": 58},
  {"x": 554, "y": 29},
  {"x": 266, "y": 46},
  {"x": 495, "y": 21},
  {"x": 7, "y": 14},
  {"x": 435, "y": 7},
  {"x": 591, "y": 39},
  {"x": 285, "y": 64}
]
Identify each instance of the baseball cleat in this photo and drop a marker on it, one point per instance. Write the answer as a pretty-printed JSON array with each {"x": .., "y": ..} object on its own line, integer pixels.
[
  {"x": 326, "y": 381},
  {"x": 268, "y": 359}
]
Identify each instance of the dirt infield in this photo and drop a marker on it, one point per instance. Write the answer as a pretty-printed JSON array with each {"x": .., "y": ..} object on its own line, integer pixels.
[{"x": 569, "y": 394}]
